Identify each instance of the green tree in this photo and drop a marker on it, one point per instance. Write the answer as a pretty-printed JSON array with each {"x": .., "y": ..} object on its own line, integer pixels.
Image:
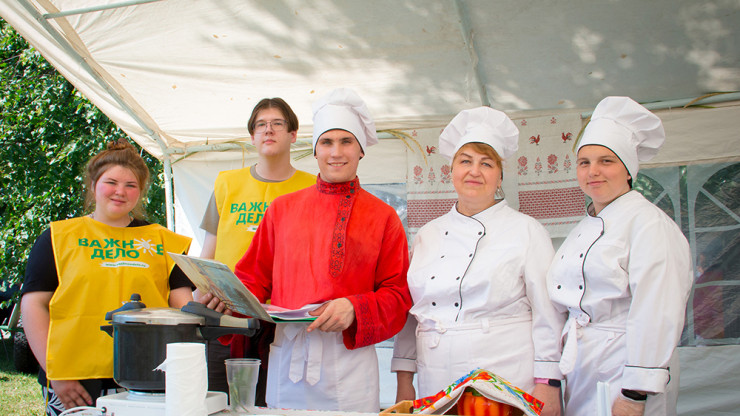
[{"x": 48, "y": 131}]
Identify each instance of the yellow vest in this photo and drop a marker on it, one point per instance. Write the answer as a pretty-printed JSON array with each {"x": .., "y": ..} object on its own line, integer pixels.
[
  {"x": 242, "y": 200},
  {"x": 99, "y": 266}
]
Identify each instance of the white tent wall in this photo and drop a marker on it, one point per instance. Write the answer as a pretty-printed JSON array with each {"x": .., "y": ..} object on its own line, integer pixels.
[
  {"x": 695, "y": 135},
  {"x": 181, "y": 77}
]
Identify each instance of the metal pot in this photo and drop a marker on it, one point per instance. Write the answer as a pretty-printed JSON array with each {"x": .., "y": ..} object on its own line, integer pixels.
[{"x": 140, "y": 338}]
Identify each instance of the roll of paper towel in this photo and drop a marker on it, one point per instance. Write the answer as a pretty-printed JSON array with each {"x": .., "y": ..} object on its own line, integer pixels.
[{"x": 186, "y": 379}]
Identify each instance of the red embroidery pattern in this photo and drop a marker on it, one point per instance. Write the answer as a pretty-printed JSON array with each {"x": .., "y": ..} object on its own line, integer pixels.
[
  {"x": 432, "y": 177},
  {"x": 566, "y": 164},
  {"x": 369, "y": 335},
  {"x": 445, "y": 171},
  {"x": 421, "y": 211},
  {"x": 552, "y": 164},
  {"x": 552, "y": 203},
  {"x": 348, "y": 192},
  {"x": 418, "y": 172},
  {"x": 522, "y": 165}
]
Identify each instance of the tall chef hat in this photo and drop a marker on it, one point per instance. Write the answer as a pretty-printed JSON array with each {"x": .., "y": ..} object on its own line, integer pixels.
[
  {"x": 626, "y": 128},
  {"x": 482, "y": 125},
  {"x": 343, "y": 109}
]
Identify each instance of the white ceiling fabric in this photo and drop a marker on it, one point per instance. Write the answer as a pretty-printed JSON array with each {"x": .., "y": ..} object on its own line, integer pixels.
[{"x": 182, "y": 73}]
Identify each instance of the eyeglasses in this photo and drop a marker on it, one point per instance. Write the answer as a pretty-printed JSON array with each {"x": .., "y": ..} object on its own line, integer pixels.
[{"x": 277, "y": 125}]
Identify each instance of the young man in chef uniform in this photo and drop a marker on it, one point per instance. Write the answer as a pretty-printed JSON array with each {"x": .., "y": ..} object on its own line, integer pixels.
[{"x": 336, "y": 244}]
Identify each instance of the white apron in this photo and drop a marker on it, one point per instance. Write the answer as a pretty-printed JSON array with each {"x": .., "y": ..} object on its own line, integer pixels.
[
  {"x": 604, "y": 347},
  {"x": 444, "y": 354},
  {"x": 316, "y": 371}
]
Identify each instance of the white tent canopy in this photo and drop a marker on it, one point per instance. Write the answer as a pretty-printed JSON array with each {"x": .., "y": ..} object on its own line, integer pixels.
[
  {"x": 176, "y": 74},
  {"x": 181, "y": 77}
]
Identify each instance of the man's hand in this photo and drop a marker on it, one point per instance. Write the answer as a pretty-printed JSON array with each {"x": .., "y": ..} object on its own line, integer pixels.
[
  {"x": 550, "y": 396},
  {"x": 71, "y": 393},
  {"x": 334, "y": 316},
  {"x": 625, "y": 407},
  {"x": 211, "y": 302}
]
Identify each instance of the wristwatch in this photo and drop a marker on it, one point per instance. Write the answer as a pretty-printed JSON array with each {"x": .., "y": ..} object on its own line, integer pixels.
[{"x": 553, "y": 382}]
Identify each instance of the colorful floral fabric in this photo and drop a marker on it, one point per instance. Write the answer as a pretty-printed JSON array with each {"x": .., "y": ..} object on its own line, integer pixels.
[{"x": 487, "y": 384}]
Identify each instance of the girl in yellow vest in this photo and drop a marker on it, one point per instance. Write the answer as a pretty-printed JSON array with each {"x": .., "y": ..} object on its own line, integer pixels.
[{"x": 82, "y": 267}]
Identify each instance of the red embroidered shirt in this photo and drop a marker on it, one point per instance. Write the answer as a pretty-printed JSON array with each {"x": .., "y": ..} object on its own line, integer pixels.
[{"x": 330, "y": 241}]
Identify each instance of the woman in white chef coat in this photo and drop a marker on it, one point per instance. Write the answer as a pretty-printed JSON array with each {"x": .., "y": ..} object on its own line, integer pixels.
[
  {"x": 477, "y": 277},
  {"x": 623, "y": 275}
]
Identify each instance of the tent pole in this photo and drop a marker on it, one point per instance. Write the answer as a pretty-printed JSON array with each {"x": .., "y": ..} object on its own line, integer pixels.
[
  {"x": 168, "y": 194},
  {"x": 468, "y": 35},
  {"x": 85, "y": 62},
  {"x": 97, "y": 8},
  {"x": 663, "y": 105}
]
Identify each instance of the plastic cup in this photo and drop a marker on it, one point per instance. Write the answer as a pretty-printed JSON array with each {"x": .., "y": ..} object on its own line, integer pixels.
[{"x": 242, "y": 375}]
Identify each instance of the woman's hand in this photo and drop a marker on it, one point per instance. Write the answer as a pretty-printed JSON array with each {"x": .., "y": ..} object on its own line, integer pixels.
[
  {"x": 334, "y": 316},
  {"x": 625, "y": 407},
  {"x": 211, "y": 302},
  {"x": 405, "y": 386},
  {"x": 71, "y": 393},
  {"x": 549, "y": 395}
]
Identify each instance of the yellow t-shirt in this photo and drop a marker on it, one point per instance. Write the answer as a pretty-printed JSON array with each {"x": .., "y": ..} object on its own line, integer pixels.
[{"x": 242, "y": 200}]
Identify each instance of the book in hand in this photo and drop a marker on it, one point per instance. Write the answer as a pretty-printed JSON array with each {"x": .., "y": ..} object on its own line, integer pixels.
[{"x": 212, "y": 276}]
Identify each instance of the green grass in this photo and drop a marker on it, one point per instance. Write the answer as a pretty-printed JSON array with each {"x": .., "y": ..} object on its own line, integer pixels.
[{"x": 20, "y": 394}]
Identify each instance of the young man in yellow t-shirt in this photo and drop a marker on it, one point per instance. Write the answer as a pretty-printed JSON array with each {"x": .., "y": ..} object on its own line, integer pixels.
[{"x": 236, "y": 208}]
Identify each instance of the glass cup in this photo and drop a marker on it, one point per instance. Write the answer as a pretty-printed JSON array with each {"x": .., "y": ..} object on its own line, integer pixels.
[{"x": 242, "y": 375}]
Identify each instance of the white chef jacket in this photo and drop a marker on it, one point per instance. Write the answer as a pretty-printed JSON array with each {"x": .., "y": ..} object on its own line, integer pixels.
[
  {"x": 624, "y": 276},
  {"x": 480, "y": 300},
  {"x": 314, "y": 370}
]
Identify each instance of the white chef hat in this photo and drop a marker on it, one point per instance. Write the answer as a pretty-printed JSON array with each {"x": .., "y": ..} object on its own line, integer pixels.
[
  {"x": 481, "y": 125},
  {"x": 626, "y": 128},
  {"x": 343, "y": 109}
]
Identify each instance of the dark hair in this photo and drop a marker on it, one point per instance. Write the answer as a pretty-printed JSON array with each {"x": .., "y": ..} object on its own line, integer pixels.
[
  {"x": 483, "y": 149},
  {"x": 117, "y": 153},
  {"x": 281, "y": 105}
]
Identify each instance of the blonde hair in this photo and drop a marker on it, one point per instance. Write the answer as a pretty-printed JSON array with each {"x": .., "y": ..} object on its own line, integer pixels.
[
  {"x": 117, "y": 153},
  {"x": 482, "y": 148}
]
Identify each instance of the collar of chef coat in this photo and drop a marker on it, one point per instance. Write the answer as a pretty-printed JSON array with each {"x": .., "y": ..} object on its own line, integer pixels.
[
  {"x": 484, "y": 215},
  {"x": 618, "y": 206}
]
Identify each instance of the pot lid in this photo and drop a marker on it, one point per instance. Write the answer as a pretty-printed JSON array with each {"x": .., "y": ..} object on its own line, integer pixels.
[{"x": 158, "y": 316}]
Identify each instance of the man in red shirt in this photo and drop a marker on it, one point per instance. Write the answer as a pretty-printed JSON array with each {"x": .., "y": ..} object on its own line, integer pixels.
[{"x": 337, "y": 245}]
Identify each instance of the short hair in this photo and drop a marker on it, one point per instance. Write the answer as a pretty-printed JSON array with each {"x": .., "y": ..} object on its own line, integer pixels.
[
  {"x": 281, "y": 105},
  {"x": 483, "y": 149},
  {"x": 117, "y": 153}
]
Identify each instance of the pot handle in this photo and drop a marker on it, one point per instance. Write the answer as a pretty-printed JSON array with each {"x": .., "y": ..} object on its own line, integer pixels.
[
  {"x": 213, "y": 332},
  {"x": 108, "y": 329},
  {"x": 217, "y": 319}
]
